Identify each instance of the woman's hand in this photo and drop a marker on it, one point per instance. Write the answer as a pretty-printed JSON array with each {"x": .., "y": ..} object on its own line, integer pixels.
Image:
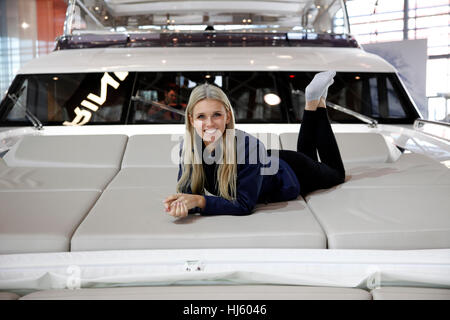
[{"x": 179, "y": 204}]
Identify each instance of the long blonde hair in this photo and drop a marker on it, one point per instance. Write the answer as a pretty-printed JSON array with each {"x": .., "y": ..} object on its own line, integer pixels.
[{"x": 192, "y": 169}]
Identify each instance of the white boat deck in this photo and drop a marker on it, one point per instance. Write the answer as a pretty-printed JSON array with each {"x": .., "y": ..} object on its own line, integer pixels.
[{"x": 92, "y": 204}]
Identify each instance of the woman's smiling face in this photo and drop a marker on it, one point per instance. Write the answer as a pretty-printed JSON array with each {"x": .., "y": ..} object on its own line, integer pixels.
[{"x": 209, "y": 118}]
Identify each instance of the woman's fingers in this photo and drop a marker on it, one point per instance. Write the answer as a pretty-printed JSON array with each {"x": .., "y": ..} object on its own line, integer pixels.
[
  {"x": 178, "y": 209},
  {"x": 172, "y": 197},
  {"x": 176, "y": 205},
  {"x": 185, "y": 210}
]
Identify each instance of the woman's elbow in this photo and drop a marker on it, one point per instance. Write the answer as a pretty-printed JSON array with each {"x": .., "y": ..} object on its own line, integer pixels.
[{"x": 246, "y": 209}]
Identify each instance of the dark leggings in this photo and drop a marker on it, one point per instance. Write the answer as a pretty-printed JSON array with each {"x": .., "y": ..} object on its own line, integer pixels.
[{"x": 315, "y": 136}]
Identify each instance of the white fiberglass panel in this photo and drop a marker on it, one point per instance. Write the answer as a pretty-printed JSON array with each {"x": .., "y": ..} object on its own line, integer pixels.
[
  {"x": 312, "y": 267},
  {"x": 212, "y": 59}
]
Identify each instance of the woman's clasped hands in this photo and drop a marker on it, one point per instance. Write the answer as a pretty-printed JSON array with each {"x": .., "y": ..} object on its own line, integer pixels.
[{"x": 179, "y": 204}]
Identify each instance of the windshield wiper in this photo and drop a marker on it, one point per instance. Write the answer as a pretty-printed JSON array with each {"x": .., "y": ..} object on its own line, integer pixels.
[
  {"x": 372, "y": 122},
  {"x": 158, "y": 105},
  {"x": 30, "y": 116}
]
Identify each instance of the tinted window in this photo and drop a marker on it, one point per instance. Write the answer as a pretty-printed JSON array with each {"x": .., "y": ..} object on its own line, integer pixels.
[
  {"x": 378, "y": 96},
  {"x": 161, "y": 97},
  {"x": 73, "y": 99},
  {"x": 249, "y": 94}
]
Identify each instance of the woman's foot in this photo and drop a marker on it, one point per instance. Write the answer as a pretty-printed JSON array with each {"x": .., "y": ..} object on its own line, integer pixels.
[{"x": 316, "y": 92}]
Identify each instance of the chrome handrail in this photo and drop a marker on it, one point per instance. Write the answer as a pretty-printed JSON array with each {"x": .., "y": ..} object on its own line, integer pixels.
[
  {"x": 372, "y": 122},
  {"x": 418, "y": 123},
  {"x": 445, "y": 126},
  {"x": 30, "y": 116}
]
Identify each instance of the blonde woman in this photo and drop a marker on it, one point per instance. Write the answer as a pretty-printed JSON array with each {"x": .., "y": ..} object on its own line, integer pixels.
[{"x": 234, "y": 166}]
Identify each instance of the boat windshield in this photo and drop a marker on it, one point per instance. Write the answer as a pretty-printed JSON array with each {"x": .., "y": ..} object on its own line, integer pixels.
[
  {"x": 75, "y": 99},
  {"x": 119, "y": 16}
]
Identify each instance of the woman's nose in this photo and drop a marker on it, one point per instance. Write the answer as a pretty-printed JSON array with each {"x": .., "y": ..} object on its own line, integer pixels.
[{"x": 208, "y": 121}]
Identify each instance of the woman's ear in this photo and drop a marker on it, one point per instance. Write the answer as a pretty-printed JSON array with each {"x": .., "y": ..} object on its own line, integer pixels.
[{"x": 191, "y": 120}]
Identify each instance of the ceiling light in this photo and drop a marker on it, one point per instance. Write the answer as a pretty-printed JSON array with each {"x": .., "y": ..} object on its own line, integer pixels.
[{"x": 272, "y": 99}]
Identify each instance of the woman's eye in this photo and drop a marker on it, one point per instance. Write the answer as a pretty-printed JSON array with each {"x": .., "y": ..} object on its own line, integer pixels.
[
  {"x": 200, "y": 116},
  {"x": 217, "y": 114}
]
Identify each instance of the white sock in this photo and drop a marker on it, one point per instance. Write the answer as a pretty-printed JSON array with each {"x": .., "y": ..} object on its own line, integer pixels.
[{"x": 318, "y": 87}]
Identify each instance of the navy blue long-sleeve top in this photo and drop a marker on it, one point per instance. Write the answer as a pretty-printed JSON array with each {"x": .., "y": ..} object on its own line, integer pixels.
[{"x": 260, "y": 179}]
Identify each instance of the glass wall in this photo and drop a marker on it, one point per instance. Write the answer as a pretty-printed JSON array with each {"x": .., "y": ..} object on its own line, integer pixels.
[
  {"x": 374, "y": 21},
  {"x": 28, "y": 29}
]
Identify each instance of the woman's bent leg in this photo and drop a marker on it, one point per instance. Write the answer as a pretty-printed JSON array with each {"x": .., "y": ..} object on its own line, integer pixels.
[
  {"x": 311, "y": 174},
  {"x": 306, "y": 142},
  {"x": 326, "y": 142}
]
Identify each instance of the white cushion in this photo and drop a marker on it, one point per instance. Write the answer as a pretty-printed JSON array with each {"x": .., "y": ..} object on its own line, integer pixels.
[
  {"x": 162, "y": 150},
  {"x": 156, "y": 150},
  {"x": 206, "y": 292},
  {"x": 41, "y": 178},
  {"x": 410, "y": 293},
  {"x": 100, "y": 151},
  {"x": 416, "y": 217},
  {"x": 135, "y": 219},
  {"x": 145, "y": 177},
  {"x": 41, "y": 221},
  {"x": 410, "y": 169},
  {"x": 354, "y": 147}
]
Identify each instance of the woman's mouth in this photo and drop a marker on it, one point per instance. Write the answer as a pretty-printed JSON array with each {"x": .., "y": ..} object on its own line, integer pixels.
[{"x": 210, "y": 131}]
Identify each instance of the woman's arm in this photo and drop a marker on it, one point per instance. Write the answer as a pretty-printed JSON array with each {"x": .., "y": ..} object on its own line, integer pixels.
[{"x": 249, "y": 182}]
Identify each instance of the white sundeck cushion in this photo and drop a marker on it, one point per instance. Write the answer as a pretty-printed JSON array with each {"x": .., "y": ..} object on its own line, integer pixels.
[
  {"x": 41, "y": 178},
  {"x": 153, "y": 150},
  {"x": 162, "y": 150},
  {"x": 135, "y": 219},
  {"x": 411, "y": 169},
  {"x": 210, "y": 292},
  {"x": 145, "y": 177},
  {"x": 157, "y": 174},
  {"x": 354, "y": 147},
  {"x": 387, "y": 218},
  {"x": 99, "y": 151},
  {"x": 410, "y": 293},
  {"x": 41, "y": 221}
]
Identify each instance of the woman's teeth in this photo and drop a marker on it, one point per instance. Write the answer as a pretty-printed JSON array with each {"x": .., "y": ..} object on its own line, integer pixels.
[{"x": 210, "y": 130}]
